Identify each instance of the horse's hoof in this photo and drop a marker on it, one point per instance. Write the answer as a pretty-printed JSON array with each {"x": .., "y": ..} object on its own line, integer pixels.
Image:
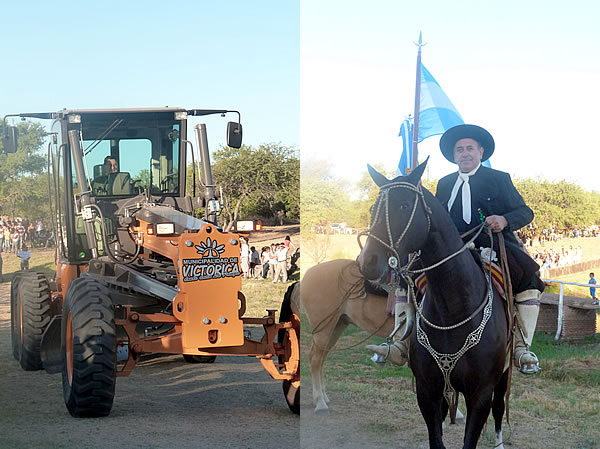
[{"x": 321, "y": 409}]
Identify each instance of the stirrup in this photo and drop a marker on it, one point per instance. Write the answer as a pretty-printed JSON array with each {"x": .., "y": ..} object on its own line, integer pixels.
[
  {"x": 531, "y": 367},
  {"x": 381, "y": 359}
]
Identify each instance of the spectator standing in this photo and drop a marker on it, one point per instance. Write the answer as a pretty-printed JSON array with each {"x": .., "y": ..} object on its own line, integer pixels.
[
  {"x": 1, "y": 277},
  {"x": 30, "y": 235},
  {"x": 25, "y": 224},
  {"x": 254, "y": 263},
  {"x": 245, "y": 257},
  {"x": 21, "y": 230},
  {"x": 592, "y": 281},
  {"x": 1, "y": 236},
  {"x": 6, "y": 237},
  {"x": 272, "y": 261},
  {"x": 290, "y": 249},
  {"x": 264, "y": 258},
  {"x": 15, "y": 238},
  {"x": 281, "y": 270},
  {"x": 25, "y": 255}
]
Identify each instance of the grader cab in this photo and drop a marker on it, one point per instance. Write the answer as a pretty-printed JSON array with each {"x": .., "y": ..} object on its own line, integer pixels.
[{"x": 136, "y": 271}]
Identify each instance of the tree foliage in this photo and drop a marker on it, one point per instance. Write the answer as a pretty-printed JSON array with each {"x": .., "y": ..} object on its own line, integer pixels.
[
  {"x": 560, "y": 204},
  {"x": 324, "y": 199},
  {"x": 23, "y": 181},
  {"x": 258, "y": 181}
]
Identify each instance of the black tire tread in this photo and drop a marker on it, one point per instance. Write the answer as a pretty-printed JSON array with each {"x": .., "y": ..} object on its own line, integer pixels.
[
  {"x": 37, "y": 312},
  {"x": 92, "y": 391},
  {"x": 14, "y": 335},
  {"x": 199, "y": 358}
]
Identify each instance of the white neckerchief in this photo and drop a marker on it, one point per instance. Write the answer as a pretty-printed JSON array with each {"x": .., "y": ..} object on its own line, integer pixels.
[{"x": 463, "y": 178}]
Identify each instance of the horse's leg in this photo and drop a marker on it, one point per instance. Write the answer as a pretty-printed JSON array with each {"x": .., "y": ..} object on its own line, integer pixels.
[
  {"x": 322, "y": 343},
  {"x": 498, "y": 408},
  {"x": 478, "y": 409},
  {"x": 431, "y": 409}
]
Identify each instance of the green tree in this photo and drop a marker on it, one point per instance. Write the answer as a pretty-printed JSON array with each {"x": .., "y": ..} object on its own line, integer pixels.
[
  {"x": 324, "y": 199},
  {"x": 267, "y": 177},
  {"x": 18, "y": 171},
  {"x": 559, "y": 204}
]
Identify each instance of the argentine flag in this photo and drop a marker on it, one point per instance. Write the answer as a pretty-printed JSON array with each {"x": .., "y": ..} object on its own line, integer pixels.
[
  {"x": 436, "y": 115},
  {"x": 436, "y": 111}
]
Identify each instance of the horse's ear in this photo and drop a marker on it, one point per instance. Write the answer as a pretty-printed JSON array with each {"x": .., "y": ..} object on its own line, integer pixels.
[
  {"x": 416, "y": 174},
  {"x": 377, "y": 177}
]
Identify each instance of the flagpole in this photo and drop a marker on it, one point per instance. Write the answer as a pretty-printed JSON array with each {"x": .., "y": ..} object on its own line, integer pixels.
[{"x": 415, "y": 133}]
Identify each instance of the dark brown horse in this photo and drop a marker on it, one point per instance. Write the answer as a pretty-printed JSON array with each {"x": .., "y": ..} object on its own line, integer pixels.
[{"x": 462, "y": 330}]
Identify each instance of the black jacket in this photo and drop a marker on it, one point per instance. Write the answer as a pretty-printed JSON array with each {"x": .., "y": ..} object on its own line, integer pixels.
[{"x": 492, "y": 193}]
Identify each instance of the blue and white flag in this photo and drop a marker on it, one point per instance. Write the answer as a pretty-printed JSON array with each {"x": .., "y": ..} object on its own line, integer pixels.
[
  {"x": 436, "y": 111},
  {"x": 406, "y": 158},
  {"x": 436, "y": 115}
]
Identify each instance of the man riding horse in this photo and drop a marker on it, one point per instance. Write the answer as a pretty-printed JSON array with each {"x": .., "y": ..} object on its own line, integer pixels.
[{"x": 474, "y": 194}]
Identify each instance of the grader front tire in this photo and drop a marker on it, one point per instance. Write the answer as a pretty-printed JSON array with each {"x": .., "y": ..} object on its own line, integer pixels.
[{"x": 89, "y": 347}]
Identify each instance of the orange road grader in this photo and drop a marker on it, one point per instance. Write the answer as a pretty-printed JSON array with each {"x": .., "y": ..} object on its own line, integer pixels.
[{"x": 136, "y": 272}]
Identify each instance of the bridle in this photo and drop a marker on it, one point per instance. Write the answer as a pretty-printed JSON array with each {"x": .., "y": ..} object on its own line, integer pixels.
[{"x": 383, "y": 202}]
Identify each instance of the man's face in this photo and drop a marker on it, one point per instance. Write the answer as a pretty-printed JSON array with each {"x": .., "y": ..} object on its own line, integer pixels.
[
  {"x": 467, "y": 154},
  {"x": 110, "y": 166}
]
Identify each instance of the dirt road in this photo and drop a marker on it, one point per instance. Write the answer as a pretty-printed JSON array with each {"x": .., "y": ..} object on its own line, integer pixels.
[{"x": 165, "y": 403}]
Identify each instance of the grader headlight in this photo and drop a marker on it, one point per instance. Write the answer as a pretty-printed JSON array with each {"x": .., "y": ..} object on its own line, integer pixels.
[{"x": 165, "y": 228}]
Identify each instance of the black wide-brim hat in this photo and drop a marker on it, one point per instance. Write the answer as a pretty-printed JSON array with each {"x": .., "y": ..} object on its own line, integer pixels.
[{"x": 454, "y": 134}]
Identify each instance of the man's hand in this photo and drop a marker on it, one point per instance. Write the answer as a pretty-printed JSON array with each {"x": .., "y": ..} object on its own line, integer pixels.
[{"x": 496, "y": 223}]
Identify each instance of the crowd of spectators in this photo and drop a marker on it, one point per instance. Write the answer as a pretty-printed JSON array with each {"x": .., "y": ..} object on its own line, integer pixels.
[
  {"x": 531, "y": 236},
  {"x": 552, "y": 258},
  {"x": 542, "y": 246},
  {"x": 17, "y": 232},
  {"x": 272, "y": 262}
]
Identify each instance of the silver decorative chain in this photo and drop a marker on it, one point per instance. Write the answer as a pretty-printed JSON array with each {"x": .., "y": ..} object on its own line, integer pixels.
[{"x": 447, "y": 362}]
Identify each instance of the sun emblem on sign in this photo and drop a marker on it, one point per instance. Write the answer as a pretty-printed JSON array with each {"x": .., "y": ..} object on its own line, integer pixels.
[{"x": 210, "y": 248}]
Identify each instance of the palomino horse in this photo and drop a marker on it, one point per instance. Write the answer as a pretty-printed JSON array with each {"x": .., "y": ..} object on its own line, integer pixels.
[
  {"x": 333, "y": 296},
  {"x": 461, "y": 326}
]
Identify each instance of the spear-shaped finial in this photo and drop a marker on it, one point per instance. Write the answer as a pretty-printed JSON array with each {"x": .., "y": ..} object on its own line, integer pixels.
[{"x": 420, "y": 43}]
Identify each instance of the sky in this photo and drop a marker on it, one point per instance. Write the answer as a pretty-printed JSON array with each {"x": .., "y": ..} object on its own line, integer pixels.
[
  {"x": 334, "y": 78},
  {"x": 528, "y": 72},
  {"x": 192, "y": 54}
]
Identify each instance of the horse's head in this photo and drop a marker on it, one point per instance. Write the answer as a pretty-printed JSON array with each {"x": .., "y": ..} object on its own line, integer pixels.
[{"x": 399, "y": 223}]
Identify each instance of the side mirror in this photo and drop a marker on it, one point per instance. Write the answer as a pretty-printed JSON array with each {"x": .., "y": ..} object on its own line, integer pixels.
[
  {"x": 234, "y": 134},
  {"x": 9, "y": 139}
]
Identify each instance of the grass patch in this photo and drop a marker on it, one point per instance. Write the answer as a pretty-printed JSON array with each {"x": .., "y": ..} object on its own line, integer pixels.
[
  {"x": 42, "y": 261},
  {"x": 261, "y": 295},
  {"x": 562, "y": 402}
]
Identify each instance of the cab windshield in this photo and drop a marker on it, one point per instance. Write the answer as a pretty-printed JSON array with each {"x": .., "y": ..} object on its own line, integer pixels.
[{"x": 126, "y": 156}]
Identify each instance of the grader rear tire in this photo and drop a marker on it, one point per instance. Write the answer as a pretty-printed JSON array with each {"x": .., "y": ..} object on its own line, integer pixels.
[
  {"x": 32, "y": 313},
  {"x": 15, "y": 335},
  {"x": 199, "y": 358},
  {"x": 89, "y": 347}
]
